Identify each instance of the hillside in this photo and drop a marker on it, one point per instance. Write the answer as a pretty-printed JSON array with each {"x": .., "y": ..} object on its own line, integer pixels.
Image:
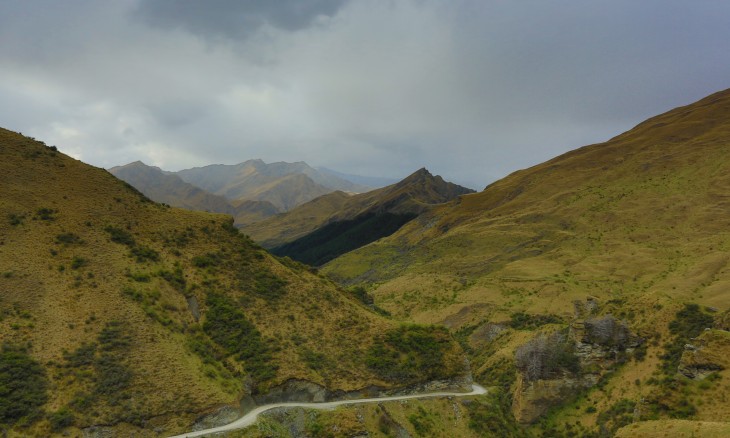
[
  {"x": 168, "y": 188},
  {"x": 634, "y": 227},
  {"x": 123, "y": 317},
  {"x": 285, "y": 185},
  {"x": 336, "y": 223}
]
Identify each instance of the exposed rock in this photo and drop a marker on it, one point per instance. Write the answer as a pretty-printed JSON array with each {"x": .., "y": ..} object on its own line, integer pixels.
[
  {"x": 598, "y": 345},
  {"x": 707, "y": 354},
  {"x": 487, "y": 332},
  {"x": 534, "y": 398},
  {"x": 222, "y": 416},
  {"x": 387, "y": 423}
]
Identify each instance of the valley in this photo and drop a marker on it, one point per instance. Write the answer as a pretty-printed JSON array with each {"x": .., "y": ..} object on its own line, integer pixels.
[{"x": 588, "y": 293}]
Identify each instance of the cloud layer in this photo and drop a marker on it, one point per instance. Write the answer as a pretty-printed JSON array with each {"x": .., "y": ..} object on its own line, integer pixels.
[{"x": 471, "y": 89}]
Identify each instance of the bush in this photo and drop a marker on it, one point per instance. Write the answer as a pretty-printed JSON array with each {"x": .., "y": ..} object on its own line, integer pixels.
[
  {"x": 16, "y": 219},
  {"x": 410, "y": 353},
  {"x": 23, "y": 385},
  {"x": 144, "y": 253},
  {"x": 46, "y": 214},
  {"x": 268, "y": 285},
  {"x": 227, "y": 326},
  {"x": 61, "y": 419},
  {"x": 525, "y": 321},
  {"x": 68, "y": 239},
  {"x": 209, "y": 259},
  {"x": 78, "y": 262},
  {"x": 687, "y": 324},
  {"x": 120, "y": 236}
]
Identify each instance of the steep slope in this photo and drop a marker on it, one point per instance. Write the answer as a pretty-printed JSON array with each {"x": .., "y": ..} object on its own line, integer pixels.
[
  {"x": 285, "y": 185},
  {"x": 170, "y": 189},
  {"x": 637, "y": 225},
  {"x": 336, "y": 223},
  {"x": 124, "y": 317}
]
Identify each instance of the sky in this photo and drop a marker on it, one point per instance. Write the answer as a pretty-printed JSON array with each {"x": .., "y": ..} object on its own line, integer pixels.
[{"x": 470, "y": 89}]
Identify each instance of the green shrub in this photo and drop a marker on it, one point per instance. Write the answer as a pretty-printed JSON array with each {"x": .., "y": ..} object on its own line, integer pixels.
[
  {"x": 16, "y": 219},
  {"x": 78, "y": 262},
  {"x": 23, "y": 385},
  {"x": 227, "y": 326},
  {"x": 206, "y": 260},
  {"x": 68, "y": 239},
  {"x": 617, "y": 416},
  {"x": 82, "y": 356},
  {"x": 422, "y": 422},
  {"x": 525, "y": 321},
  {"x": 144, "y": 253},
  {"x": 410, "y": 353},
  {"x": 46, "y": 214},
  {"x": 175, "y": 278},
  {"x": 493, "y": 416},
  {"x": 120, "y": 236},
  {"x": 687, "y": 324},
  {"x": 61, "y": 419},
  {"x": 269, "y": 286}
]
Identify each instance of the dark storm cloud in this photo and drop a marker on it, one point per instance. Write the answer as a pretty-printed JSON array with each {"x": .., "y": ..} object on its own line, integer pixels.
[
  {"x": 235, "y": 18},
  {"x": 471, "y": 89}
]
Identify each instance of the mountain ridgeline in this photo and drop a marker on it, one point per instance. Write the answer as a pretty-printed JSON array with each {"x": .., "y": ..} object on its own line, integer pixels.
[
  {"x": 343, "y": 223},
  {"x": 614, "y": 250},
  {"x": 249, "y": 191},
  {"x": 123, "y": 317}
]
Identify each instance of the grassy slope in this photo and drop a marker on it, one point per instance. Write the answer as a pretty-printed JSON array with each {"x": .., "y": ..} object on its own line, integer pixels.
[
  {"x": 639, "y": 222},
  {"x": 63, "y": 280}
]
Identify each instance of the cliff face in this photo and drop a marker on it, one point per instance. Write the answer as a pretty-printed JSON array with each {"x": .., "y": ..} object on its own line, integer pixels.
[
  {"x": 589, "y": 350},
  {"x": 707, "y": 354}
]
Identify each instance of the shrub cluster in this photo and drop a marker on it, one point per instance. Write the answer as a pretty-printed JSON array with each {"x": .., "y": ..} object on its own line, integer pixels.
[
  {"x": 226, "y": 324},
  {"x": 23, "y": 385},
  {"x": 410, "y": 353},
  {"x": 525, "y": 321}
]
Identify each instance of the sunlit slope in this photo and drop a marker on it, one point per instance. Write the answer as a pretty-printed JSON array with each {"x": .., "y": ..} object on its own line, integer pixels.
[
  {"x": 146, "y": 317},
  {"x": 643, "y": 215}
]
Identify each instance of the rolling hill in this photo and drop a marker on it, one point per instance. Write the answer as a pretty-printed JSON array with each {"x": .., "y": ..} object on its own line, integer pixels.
[
  {"x": 333, "y": 224},
  {"x": 635, "y": 228},
  {"x": 123, "y": 317}
]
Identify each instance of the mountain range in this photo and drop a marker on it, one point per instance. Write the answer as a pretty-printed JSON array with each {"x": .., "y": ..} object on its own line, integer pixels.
[
  {"x": 589, "y": 294},
  {"x": 120, "y": 316},
  {"x": 249, "y": 191}
]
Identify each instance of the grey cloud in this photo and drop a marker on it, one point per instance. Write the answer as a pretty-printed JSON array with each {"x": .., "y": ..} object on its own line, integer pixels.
[
  {"x": 471, "y": 89},
  {"x": 235, "y": 19}
]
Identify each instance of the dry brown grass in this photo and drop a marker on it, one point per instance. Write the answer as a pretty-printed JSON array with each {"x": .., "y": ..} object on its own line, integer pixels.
[{"x": 57, "y": 296}]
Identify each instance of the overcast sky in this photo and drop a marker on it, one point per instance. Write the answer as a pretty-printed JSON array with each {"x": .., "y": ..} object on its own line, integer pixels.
[{"x": 471, "y": 89}]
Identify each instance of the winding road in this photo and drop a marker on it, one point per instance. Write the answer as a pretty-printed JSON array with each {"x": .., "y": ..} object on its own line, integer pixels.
[{"x": 250, "y": 418}]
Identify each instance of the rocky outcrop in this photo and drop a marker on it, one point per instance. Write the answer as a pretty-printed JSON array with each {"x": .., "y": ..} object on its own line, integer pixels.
[
  {"x": 533, "y": 399},
  {"x": 222, "y": 416},
  {"x": 708, "y": 353},
  {"x": 555, "y": 367}
]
